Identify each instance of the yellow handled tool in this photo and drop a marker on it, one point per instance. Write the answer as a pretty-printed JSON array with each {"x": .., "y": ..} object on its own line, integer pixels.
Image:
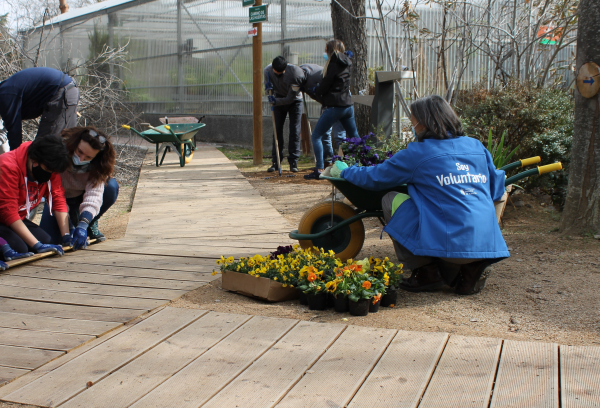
[{"x": 550, "y": 167}]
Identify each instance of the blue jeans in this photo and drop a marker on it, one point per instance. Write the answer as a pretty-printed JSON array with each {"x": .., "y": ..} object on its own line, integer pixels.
[
  {"x": 345, "y": 115},
  {"x": 337, "y": 134},
  {"x": 49, "y": 224}
]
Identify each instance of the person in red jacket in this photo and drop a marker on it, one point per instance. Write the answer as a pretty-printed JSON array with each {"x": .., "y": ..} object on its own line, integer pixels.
[{"x": 27, "y": 174}]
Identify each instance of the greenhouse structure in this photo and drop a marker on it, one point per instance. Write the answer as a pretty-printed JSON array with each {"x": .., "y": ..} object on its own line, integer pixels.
[{"x": 194, "y": 57}]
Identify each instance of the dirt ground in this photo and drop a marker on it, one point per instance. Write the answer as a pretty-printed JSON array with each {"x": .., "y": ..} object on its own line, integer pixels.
[{"x": 546, "y": 291}]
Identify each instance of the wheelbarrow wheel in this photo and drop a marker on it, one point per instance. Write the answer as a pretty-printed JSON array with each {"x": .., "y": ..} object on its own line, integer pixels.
[
  {"x": 189, "y": 153},
  {"x": 346, "y": 242}
]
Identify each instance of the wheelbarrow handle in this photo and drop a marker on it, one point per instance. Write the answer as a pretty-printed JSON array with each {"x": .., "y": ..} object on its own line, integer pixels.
[
  {"x": 138, "y": 133},
  {"x": 533, "y": 172},
  {"x": 521, "y": 163}
]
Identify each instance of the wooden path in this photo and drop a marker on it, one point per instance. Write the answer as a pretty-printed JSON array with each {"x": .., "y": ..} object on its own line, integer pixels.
[
  {"x": 192, "y": 358},
  {"x": 181, "y": 221}
]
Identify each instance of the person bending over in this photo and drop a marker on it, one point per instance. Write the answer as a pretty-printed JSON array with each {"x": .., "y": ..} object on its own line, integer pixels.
[
  {"x": 334, "y": 92},
  {"x": 26, "y": 175},
  {"x": 445, "y": 230},
  {"x": 89, "y": 190},
  {"x": 286, "y": 99},
  {"x": 35, "y": 92}
]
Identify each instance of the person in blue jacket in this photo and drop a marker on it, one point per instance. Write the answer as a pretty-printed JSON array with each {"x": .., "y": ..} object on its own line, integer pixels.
[
  {"x": 35, "y": 92},
  {"x": 445, "y": 230}
]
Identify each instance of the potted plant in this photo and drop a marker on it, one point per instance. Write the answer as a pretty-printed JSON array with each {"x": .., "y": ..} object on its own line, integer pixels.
[
  {"x": 379, "y": 289},
  {"x": 390, "y": 275},
  {"x": 359, "y": 293},
  {"x": 315, "y": 289}
]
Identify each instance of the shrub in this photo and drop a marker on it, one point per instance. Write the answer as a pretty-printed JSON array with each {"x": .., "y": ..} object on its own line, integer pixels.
[{"x": 540, "y": 120}]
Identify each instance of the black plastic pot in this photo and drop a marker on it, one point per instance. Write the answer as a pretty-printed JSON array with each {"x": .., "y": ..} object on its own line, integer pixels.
[
  {"x": 360, "y": 308},
  {"x": 317, "y": 301},
  {"x": 302, "y": 297},
  {"x": 390, "y": 298},
  {"x": 374, "y": 308},
  {"x": 341, "y": 303},
  {"x": 330, "y": 300}
]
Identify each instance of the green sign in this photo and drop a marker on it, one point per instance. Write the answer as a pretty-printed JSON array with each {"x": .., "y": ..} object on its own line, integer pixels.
[
  {"x": 258, "y": 14},
  {"x": 246, "y": 3}
]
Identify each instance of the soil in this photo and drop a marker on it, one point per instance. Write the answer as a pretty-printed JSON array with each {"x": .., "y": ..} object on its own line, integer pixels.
[{"x": 546, "y": 291}]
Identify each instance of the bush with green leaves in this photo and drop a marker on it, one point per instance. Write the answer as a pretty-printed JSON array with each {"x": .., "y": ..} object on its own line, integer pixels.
[{"x": 539, "y": 120}]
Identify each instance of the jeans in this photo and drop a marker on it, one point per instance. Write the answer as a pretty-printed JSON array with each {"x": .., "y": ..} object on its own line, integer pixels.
[
  {"x": 331, "y": 115},
  {"x": 294, "y": 110},
  {"x": 338, "y": 135},
  {"x": 49, "y": 224}
]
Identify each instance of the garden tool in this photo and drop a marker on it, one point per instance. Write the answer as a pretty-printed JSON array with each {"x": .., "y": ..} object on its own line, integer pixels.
[
  {"x": 275, "y": 131},
  {"x": 305, "y": 130}
]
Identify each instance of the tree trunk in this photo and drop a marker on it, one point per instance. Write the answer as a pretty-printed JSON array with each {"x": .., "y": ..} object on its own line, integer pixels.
[
  {"x": 352, "y": 32},
  {"x": 582, "y": 206}
]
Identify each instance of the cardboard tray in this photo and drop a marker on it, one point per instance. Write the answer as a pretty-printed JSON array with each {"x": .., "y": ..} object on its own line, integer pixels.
[{"x": 260, "y": 288}]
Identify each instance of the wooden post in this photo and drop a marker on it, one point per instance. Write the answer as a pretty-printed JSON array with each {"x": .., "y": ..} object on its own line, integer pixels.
[{"x": 257, "y": 114}]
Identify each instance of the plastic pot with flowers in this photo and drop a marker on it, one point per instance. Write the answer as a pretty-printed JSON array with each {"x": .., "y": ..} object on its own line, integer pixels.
[
  {"x": 311, "y": 283},
  {"x": 390, "y": 275}
]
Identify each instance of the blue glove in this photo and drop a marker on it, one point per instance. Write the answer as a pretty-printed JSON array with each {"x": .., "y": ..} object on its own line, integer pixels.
[
  {"x": 40, "y": 248},
  {"x": 3, "y": 266},
  {"x": 10, "y": 254},
  {"x": 349, "y": 53},
  {"x": 272, "y": 100},
  {"x": 79, "y": 238},
  {"x": 67, "y": 240}
]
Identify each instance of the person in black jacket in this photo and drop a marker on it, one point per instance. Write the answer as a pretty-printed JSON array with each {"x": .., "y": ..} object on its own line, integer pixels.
[
  {"x": 35, "y": 92},
  {"x": 334, "y": 94}
]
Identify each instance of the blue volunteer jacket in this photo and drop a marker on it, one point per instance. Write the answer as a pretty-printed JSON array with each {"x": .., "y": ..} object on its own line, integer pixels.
[
  {"x": 452, "y": 184},
  {"x": 23, "y": 96}
]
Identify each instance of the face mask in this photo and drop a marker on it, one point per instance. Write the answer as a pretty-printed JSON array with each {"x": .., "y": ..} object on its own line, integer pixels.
[
  {"x": 415, "y": 134},
  {"x": 40, "y": 175},
  {"x": 78, "y": 162},
  {"x": 325, "y": 56}
]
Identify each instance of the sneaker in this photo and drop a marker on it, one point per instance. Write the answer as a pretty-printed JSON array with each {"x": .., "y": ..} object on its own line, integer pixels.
[
  {"x": 472, "y": 277},
  {"x": 273, "y": 168},
  {"x": 293, "y": 166},
  {"x": 94, "y": 233},
  {"x": 313, "y": 176}
]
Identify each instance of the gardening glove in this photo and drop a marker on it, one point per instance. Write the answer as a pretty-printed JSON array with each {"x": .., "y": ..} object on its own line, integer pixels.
[
  {"x": 80, "y": 234},
  {"x": 3, "y": 266},
  {"x": 337, "y": 168},
  {"x": 80, "y": 238},
  {"x": 67, "y": 240},
  {"x": 10, "y": 254},
  {"x": 40, "y": 248},
  {"x": 272, "y": 100}
]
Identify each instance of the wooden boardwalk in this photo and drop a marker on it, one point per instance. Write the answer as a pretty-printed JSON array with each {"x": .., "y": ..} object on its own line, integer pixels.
[
  {"x": 192, "y": 358},
  {"x": 181, "y": 221}
]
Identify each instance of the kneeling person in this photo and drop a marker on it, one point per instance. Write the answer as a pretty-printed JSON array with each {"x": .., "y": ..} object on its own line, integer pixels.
[
  {"x": 89, "y": 190},
  {"x": 27, "y": 174}
]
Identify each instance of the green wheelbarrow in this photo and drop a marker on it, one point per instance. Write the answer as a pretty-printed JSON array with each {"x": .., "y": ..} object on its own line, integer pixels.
[
  {"x": 180, "y": 136},
  {"x": 338, "y": 227}
]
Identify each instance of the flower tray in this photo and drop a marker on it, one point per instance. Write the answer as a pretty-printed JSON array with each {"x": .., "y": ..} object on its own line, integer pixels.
[{"x": 260, "y": 288}]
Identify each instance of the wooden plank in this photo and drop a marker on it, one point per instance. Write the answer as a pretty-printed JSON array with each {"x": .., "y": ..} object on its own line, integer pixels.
[
  {"x": 580, "y": 376},
  {"x": 9, "y": 373},
  {"x": 123, "y": 387},
  {"x": 66, "y": 298},
  {"x": 26, "y": 358},
  {"x": 113, "y": 276},
  {"x": 527, "y": 376},
  {"x": 67, "y": 311},
  {"x": 354, "y": 354},
  {"x": 72, "y": 354},
  {"x": 465, "y": 374},
  {"x": 91, "y": 289},
  {"x": 52, "y": 324},
  {"x": 212, "y": 371},
  {"x": 71, "y": 378},
  {"x": 41, "y": 340},
  {"x": 270, "y": 377},
  {"x": 403, "y": 372}
]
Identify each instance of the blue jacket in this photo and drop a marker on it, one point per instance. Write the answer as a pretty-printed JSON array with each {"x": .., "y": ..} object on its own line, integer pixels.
[
  {"x": 23, "y": 96},
  {"x": 452, "y": 184}
]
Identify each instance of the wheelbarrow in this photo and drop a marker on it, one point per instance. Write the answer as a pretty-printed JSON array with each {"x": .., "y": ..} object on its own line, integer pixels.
[
  {"x": 180, "y": 136},
  {"x": 338, "y": 227}
]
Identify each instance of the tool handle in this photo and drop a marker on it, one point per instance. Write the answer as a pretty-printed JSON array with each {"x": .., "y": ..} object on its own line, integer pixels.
[
  {"x": 530, "y": 161},
  {"x": 550, "y": 167},
  {"x": 126, "y": 127}
]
